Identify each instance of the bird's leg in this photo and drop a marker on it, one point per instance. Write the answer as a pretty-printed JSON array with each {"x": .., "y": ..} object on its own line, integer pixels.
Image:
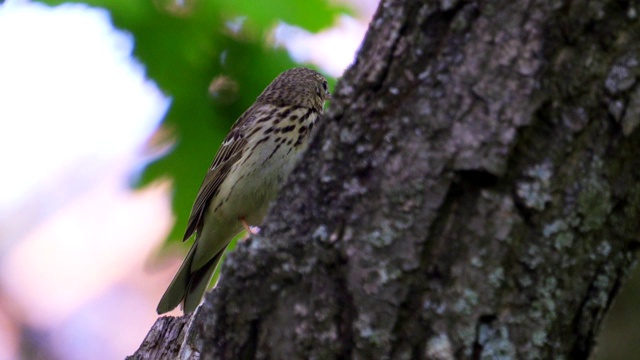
[{"x": 250, "y": 229}]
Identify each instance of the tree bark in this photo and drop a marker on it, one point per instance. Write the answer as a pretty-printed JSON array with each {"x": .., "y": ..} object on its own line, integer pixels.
[{"x": 474, "y": 192}]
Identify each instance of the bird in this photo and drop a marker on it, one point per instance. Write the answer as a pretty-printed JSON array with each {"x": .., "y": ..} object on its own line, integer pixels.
[{"x": 254, "y": 160}]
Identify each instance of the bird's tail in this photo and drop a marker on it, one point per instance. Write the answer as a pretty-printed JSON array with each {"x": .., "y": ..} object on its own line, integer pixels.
[{"x": 188, "y": 285}]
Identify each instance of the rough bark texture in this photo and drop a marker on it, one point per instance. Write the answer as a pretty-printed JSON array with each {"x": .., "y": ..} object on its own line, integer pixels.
[
  {"x": 474, "y": 193},
  {"x": 164, "y": 340}
]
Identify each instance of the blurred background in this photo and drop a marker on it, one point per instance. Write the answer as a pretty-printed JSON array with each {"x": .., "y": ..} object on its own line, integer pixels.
[{"x": 110, "y": 113}]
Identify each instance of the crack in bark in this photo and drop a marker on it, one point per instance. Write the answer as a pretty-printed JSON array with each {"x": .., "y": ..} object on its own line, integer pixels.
[{"x": 485, "y": 321}]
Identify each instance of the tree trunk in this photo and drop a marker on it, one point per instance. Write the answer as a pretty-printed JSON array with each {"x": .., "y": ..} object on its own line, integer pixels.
[{"x": 474, "y": 192}]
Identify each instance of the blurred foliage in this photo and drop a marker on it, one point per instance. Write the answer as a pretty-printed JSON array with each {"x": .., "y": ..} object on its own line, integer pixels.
[{"x": 185, "y": 48}]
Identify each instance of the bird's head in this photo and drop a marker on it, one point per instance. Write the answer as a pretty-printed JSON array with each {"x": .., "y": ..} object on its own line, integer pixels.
[{"x": 299, "y": 87}]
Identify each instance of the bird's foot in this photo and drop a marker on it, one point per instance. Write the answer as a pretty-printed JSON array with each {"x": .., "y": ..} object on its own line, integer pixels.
[{"x": 254, "y": 230}]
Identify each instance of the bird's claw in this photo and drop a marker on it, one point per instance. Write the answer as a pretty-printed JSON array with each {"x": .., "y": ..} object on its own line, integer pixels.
[{"x": 253, "y": 230}]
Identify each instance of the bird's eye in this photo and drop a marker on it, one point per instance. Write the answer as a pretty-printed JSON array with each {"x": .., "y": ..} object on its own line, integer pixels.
[{"x": 325, "y": 86}]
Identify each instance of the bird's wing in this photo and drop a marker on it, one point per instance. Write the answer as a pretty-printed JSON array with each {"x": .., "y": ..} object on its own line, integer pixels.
[
  {"x": 208, "y": 190},
  {"x": 229, "y": 153}
]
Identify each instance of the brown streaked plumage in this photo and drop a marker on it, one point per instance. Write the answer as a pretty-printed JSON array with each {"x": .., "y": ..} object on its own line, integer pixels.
[{"x": 256, "y": 156}]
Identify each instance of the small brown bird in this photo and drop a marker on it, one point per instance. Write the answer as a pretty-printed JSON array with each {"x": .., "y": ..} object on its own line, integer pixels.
[{"x": 255, "y": 158}]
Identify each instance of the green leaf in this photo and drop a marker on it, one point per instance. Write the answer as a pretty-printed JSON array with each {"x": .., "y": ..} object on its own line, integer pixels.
[{"x": 312, "y": 15}]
